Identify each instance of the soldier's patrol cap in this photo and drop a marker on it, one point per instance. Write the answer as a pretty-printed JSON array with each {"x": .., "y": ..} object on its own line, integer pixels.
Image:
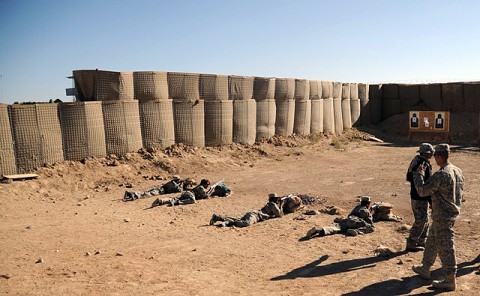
[
  {"x": 365, "y": 198},
  {"x": 176, "y": 178},
  {"x": 426, "y": 148},
  {"x": 442, "y": 149}
]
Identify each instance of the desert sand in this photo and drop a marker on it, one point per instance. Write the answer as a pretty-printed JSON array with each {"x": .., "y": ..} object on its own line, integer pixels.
[{"x": 69, "y": 232}]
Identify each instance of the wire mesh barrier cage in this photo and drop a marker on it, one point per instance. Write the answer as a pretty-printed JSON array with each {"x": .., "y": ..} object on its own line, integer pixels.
[
  {"x": 37, "y": 135},
  {"x": 7, "y": 150},
  {"x": 218, "y": 123},
  {"x": 150, "y": 86},
  {"x": 156, "y": 119},
  {"x": 183, "y": 86},
  {"x": 285, "y": 117},
  {"x": 83, "y": 131},
  {"x": 189, "y": 122},
  {"x": 266, "y": 113},
  {"x": 244, "y": 121},
  {"x": 302, "y": 122},
  {"x": 263, "y": 88},
  {"x": 213, "y": 87},
  {"x": 122, "y": 127},
  {"x": 240, "y": 87}
]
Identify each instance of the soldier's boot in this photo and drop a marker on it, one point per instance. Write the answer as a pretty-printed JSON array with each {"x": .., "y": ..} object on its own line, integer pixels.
[
  {"x": 449, "y": 283},
  {"x": 158, "y": 202},
  {"x": 413, "y": 247},
  {"x": 422, "y": 270},
  {"x": 352, "y": 232},
  {"x": 315, "y": 231},
  {"x": 128, "y": 196}
]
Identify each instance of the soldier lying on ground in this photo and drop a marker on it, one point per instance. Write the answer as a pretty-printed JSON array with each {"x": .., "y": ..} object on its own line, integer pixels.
[
  {"x": 358, "y": 222},
  {"x": 173, "y": 186},
  {"x": 276, "y": 206},
  {"x": 187, "y": 197}
]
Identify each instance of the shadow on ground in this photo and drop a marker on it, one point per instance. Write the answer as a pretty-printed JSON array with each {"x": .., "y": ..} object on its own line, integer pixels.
[{"x": 401, "y": 286}]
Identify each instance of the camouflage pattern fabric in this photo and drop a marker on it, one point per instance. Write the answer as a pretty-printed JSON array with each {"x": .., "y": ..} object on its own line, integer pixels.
[
  {"x": 363, "y": 213},
  {"x": 200, "y": 192},
  {"x": 172, "y": 187},
  {"x": 270, "y": 210},
  {"x": 186, "y": 198},
  {"x": 419, "y": 230},
  {"x": 440, "y": 242},
  {"x": 442, "y": 186},
  {"x": 359, "y": 219}
]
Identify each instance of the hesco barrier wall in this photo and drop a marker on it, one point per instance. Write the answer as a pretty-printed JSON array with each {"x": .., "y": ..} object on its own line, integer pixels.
[
  {"x": 303, "y": 117},
  {"x": 150, "y": 86},
  {"x": 240, "y": 87},
  {"x": 189, "y": 121},
  {"x": 156, "y": 119},
  {"x": 266, "y": 115},
  {"x": 345, "y": 103},
  {"x": 218, "y": 123},
  {"x": 138, "y": 111},
  {"x": 244, "y": 121},
  {"x": 285, "y": 117},
  {"x": 36, "y": 134},
  {"x": 263, "y": 88},
  {"x": 183, "y": 86},
  {"x": 213, "y": 87},
  {"x": 83, "y": 130},
  {"x": 7, "y": 152},
  {"x": 122, "y": 127}
]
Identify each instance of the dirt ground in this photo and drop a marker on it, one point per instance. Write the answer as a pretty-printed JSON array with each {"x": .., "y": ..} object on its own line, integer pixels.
[{"x": 72, "y": 219}]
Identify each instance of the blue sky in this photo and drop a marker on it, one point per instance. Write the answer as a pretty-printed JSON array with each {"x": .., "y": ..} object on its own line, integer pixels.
[{"x": 42, "y": 41}]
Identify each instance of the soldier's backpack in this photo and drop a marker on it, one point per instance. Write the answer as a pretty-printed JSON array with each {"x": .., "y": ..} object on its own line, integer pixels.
[
  {"x": 382, "y": 211},
  {"x": 221, "y": 190}
]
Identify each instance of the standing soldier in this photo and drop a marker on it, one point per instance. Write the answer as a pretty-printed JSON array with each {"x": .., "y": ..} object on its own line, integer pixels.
[
  {"x": 418, "y": 232},
  {"x": 446, "y": 189}
]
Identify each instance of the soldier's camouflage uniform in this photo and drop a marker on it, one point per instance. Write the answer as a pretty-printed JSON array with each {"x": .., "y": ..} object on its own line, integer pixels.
[
  {"x": 270, "y": 210},
  {"x": 446, "y": 190},
  {"x": 190, "y": 197},
  {"x": 419, "y": 230},
  {"x": 170, "y": 187},
  {"x": 359, "y": 219}
]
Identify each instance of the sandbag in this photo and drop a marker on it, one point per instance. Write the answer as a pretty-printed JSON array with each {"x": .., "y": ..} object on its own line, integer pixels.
[
  {"x": 431, "y": 97},
  {"x": 284, "y": 89},
  {"x": 452, "y": 96},
  {"x": 36, "y": 134},
  {"x": 266, "y": 113},
  {"x": 150, "y": 86},
  {"x": 363, "y": 94},
  {"x": 328, "y": 116},
  {"x": 315, "y": 89},
  {"x": 218, "y": 123},
  {"x": 263, "y": 88},
  {"x": 7, "y": 151},
  {"x": 213, "y": 87},
  {"x": 189, "y": 122},
  {"x": 302, "y": 90},
  {"x": 183, "y": 86},
  {"x": 83, "y": 131},
  {"x": 345, "y": 107},
  {"x": 122, "y": 127},
  {"x": 285, "y": 117},
  {"x": 240, "y": 87},
  {"x": 244, "y": 121},
  {"x": 156, "y": 119},
  {"x": 303, "y": 113},
  {"x": 317, "y": 117}
]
